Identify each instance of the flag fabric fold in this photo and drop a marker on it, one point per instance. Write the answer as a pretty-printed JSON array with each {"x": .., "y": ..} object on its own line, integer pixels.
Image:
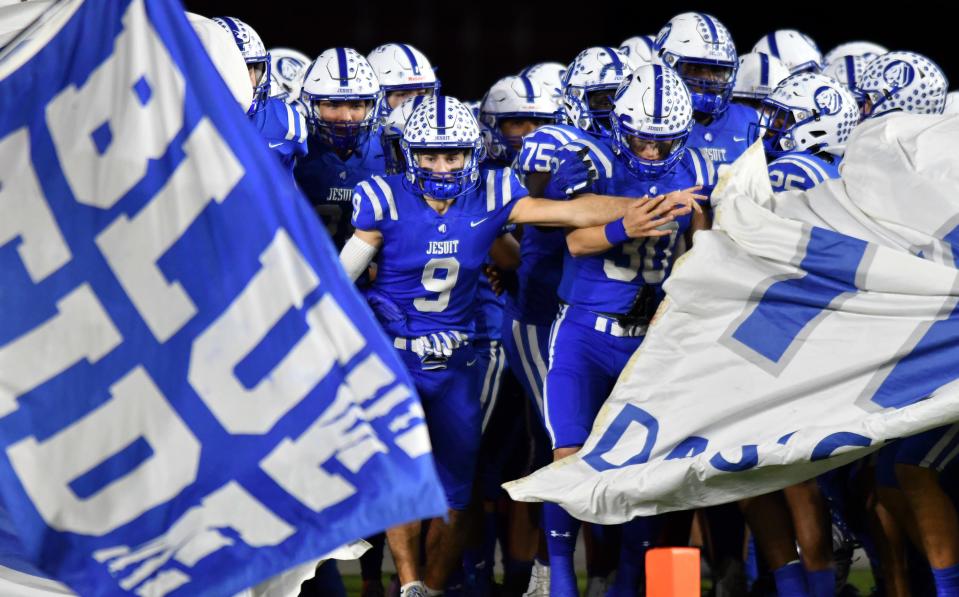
[
  {"x": 193, "y": 396},
  {"x": 800, "y": 334}
]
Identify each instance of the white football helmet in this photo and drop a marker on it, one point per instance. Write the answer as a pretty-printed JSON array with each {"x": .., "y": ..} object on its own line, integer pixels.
[
  {"x": 287, "y": 67},
  {"x": 651, "y": 120},
  {"x": 808, "y": 112},
  {"x": 952, "y": 103},
  {"x": 903, "y": 81},
  {"x": 866, "y": 49},
  {"x": 549, "y": 74},
  {"x": 702, "y": 52},
  {"x": 758, "y": 75},
  {"x": 442, "y": 122},
  {"x": 391, "y": 131},
  {"x": 401, "y": 67},
  {"x": 255, "y": 56},
  {"x": 340, "y": 75},
  {"x": 513, "y": 98},
  {"x": 848, "y": 70},
  {"x": 640, "y": 50},
  {"x": 797, "y": 50},
  {"x": 589, "y": 85}
]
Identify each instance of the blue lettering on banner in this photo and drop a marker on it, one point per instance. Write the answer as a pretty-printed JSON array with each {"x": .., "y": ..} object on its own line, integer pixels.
[
  {"x": 748, "y": 460},
  {"x": 830, "y": 262},
  {"x": 626, "y": 417},
  {"x": 832, "y": 442},
  {"x": 193, "y": 397}
]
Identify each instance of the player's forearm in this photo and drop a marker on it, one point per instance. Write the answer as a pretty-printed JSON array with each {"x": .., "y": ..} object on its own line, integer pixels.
[
  {"x": 583, "y": 242},
  {"x": 591, "y": 210}
]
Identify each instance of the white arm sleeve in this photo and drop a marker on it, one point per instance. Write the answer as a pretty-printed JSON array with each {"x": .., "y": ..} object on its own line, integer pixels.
[{"x": 356, "y": 256}]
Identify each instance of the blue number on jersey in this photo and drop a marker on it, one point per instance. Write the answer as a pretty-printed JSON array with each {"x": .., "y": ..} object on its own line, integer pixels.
[
  {"x": 429, "y": 264},
  {"x": 800, "y": 171},
  {"x": 724, "y": 139},
  {"x": 541, "y": 251},
  {"x": 610, "y": 281},
  {"x": 284, "y": 130},
  {"x": 328, "y": 181}
]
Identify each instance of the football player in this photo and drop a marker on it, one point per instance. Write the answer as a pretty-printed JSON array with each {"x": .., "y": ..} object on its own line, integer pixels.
[
  {"x": 340, "y": 91},
  {"x": 612, "y": 279},
  {"x": 701, "y": 50},
  {"x": 433, "y": 227},
  {"x": 804, "y": 125},
  {"x": 758, "y": 74},
  {"x": 282, "y": 127},
  {"x": 403, "y": 71},
  {"x": 903, "y": 81}
]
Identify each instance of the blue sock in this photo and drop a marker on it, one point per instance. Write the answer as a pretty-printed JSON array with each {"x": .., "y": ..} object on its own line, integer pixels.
[
  {"x": 752, "y": 562},
  {"x": 947, "y": 581},
  {"x": 822, "y": 583},
  {"x": 791, "y": 580},
  {"x": 561, "y": 530},
  {"x": 639, "y": 535}
]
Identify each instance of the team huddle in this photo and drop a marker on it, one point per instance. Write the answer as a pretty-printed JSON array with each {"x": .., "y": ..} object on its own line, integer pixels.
[{"x": 514, "y": 250}]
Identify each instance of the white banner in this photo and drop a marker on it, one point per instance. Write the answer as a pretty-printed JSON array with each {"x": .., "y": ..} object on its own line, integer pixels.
[{"x": 801, "y": 333}]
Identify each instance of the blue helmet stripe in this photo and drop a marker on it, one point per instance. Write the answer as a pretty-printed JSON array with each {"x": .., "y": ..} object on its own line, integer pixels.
[
  {"x": 850, "y": 72},
  {"x": 650, "y": 43},
  {"x": 341, "y": 64},
  {"x": 441, "y": 114},
  {"x": 410, "y": 57},
  {"x": 713, "y": 34},
  {"x": 657, "y": 92},
  {"x": 773, "y": 46},
  {"x": 614, "y": 60},
  {"x": 763, "y": 69},
  {"x": 234, "y": 29},
  {"x": 530, "y": 95}
]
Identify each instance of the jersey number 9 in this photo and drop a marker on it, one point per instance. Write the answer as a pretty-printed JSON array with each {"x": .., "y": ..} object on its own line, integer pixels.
[{"x": 441, "y": 284}]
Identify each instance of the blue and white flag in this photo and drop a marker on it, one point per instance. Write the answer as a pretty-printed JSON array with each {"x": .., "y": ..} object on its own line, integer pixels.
[
  {"x": 192, "y": 396},
  {"x": 800, "y": 334}
]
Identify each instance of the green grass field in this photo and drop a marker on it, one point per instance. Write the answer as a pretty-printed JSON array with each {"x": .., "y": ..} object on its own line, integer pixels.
[{"x": 861, "y": 579}]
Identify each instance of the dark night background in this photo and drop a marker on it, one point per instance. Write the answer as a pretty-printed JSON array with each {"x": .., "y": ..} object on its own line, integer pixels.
[{"x": 472, "y": 44}]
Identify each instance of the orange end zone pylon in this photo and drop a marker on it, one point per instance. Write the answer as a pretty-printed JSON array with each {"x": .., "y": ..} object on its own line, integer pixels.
[{"x": 672, "y": 572}]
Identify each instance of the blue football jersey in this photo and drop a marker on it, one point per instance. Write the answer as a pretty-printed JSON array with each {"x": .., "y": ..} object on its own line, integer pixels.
[
  {"x": 801, "y": 171},
  {"x": 284, "y": 130},
  {"x": 489, "y": 312},
  {"x": 609, "y": 282},
  {"x": 430, "y": 264},
  {"x": 328, "y": 182},
  {"x": 541, "y": 250},
  {"x": 724, "y": 139}
]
